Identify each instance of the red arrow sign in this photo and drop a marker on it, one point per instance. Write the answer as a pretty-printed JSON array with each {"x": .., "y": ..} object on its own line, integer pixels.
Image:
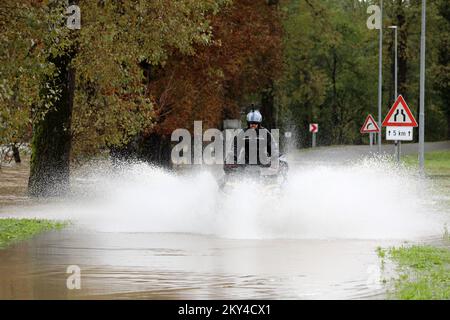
[
  {"x": 370, "y": 125},
  {"x": 400, "y": 115},
  {"x": 313, "y": 127}
]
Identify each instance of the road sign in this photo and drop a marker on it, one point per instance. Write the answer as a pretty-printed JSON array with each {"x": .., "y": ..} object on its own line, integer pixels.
[
  {"x": 288, "y": 134},
  {"x": 370, "y": 125},
  {"x": 400, "y": 115},
  {"x": 313, "y": 127},
  {"x": 399, "y": 133}
]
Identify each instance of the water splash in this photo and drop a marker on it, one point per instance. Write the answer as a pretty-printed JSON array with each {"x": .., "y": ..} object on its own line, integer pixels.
[{"x": 369, "y": 199}]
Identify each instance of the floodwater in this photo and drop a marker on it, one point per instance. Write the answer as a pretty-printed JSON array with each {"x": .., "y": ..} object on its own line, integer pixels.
[
  {"x": 183, "y": 266},
  {"x": 142, "y": 233}
]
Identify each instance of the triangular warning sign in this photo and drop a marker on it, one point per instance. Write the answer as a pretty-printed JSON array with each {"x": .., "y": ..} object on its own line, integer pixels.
[
  {"x": 400, "y": 115},
  {"x": 370, "y": 125}
]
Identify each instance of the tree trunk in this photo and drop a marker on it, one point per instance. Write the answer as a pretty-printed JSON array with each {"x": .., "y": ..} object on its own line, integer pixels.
[
  {"x": 268, "y": 107},
  {"x": 51, "y": 143},
  {"x": 444, "y": 61},
  {"x": 16, "y": 154},
  {"x": 336, "y": 111}
]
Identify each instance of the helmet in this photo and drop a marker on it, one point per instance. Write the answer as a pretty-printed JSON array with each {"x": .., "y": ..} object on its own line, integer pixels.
[{"x": 254, "y": 116}]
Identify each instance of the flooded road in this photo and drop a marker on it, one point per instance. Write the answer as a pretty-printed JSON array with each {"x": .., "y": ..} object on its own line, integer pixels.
[
  {"x": 144, "y": 233},
  {"x": 182, "y": 266}
]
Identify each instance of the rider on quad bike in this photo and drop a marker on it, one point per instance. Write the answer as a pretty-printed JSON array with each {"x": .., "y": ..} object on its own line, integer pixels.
[{"x": 253, "y": 149}]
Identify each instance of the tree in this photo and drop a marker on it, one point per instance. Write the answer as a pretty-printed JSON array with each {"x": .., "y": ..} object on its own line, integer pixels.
[
  {"x": 19, "y": 63},
  {"x": 327, "y": 47},
  {"x": 441, "y": 67},
  {"x": 117, "y": 64},
  {"x": 210, "y": 85},
  {"x": 330, "y": 73},
  {"x": 97, "y": 66}
]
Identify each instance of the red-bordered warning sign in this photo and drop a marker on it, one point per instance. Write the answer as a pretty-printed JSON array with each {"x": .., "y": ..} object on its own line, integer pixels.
[
  {"x": 370, "y": 125},
  {"x": 400, "y": 115}
]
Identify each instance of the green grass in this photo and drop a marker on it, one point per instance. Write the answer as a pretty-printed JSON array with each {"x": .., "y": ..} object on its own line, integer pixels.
[
  {"x": 14, "y": 230},
  {"x": 437, "y": 163},
  {"x": 423, "y": 272}
]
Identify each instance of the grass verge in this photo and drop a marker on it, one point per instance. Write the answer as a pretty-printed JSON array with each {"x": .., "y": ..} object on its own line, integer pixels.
[
  {"x": 423, "y": 272},
  {"x": 14, "y": 230},
  {"x": 437, "y": 163}
]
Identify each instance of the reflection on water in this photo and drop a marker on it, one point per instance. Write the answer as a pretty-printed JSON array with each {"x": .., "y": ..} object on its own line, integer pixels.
[
  {"x": 183, "y": 266},
  {"x": 13, "y": 182}
]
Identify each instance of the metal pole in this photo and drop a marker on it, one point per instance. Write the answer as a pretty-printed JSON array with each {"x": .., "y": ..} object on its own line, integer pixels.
[
  {"x": 314, "y": 140},
  {"x": 397, "y": 143},
  {"x": 422, "y": 90},
  {"x": 396, "y": 63},
  {"x": 399, "y": 150},
  {"x": 380, "y": 76},
  {"x": 371, "y": 140}
]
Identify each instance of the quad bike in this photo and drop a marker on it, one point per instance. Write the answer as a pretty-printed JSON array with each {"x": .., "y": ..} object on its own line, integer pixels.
[{"x": 270, "y": 179}]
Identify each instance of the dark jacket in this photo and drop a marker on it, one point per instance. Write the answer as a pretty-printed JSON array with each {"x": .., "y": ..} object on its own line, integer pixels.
[{"x": 253, "y": 146}]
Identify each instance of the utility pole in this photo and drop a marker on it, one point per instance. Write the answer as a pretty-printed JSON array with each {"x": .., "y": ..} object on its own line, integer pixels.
[
  {"x": 380, "y": 76},
  {"x": 422, "y": 90}
]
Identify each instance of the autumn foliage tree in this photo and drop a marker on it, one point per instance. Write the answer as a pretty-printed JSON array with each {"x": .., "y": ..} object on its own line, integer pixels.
[
  {"x": 243, "y": 58},
  {"x": 85, "y": 88}
]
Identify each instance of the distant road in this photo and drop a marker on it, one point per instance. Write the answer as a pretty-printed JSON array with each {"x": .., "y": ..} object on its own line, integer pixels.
[{"x": 343, "y": 154}]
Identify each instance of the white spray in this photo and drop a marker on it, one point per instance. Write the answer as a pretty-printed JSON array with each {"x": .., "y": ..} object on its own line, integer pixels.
[{"x": 370, "y": 199}]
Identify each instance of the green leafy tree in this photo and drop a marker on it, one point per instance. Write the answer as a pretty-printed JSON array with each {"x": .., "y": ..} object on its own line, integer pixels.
[
  {"x": 89, "y": 82},
  {"x": 331, "y": 66},
  {"x": 328, "y": 47}
]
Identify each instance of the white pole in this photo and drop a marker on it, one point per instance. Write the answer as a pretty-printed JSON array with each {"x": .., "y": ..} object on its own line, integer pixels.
[
  {"x": 422, "y": 90},
  {"x": 397, "y": 143},
  {"x": 399, "y": 154},
  {"x": 380, "y": 76},
  {"x": 396, "y": 63}
]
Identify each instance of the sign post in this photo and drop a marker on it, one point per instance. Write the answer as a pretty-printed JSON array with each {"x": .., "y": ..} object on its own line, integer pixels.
[
  {"x": 398, "y": 143},
  {"x": 399, "y": 123},
  {"x": 313, "y": 128},
  {"x": 370, "y": 126}
]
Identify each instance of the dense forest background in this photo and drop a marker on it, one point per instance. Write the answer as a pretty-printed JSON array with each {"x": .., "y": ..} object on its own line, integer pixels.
[
  {"x": 331, "y": 64},
  {"x": 137, "y": 70}
]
